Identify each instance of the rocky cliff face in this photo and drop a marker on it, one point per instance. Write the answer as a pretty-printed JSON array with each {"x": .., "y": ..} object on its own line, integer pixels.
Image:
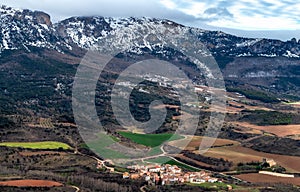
[
  {"x": 42, "y": 18},
  {"x": 21, "y": 29}
]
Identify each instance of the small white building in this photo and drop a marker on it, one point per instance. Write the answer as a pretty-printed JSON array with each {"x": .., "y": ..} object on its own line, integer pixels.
[
  {"x": 212, "y": 180},
  {"x": 147, "y": 178},
  {"x": 176, "y": 170},
  {"x": 197, "y": 180},
  {"x": 154, "y": 169}
]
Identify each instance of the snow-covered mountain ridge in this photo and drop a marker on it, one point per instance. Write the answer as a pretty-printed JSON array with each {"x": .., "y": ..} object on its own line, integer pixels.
[{"x": 21, "y": 29}]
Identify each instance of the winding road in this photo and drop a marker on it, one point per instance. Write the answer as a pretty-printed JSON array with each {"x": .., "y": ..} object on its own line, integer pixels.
[{"x": 75, "y": 187}]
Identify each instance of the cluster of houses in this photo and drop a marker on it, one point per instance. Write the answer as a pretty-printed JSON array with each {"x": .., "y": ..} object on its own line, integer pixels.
[{"x": 167, "y": 174}]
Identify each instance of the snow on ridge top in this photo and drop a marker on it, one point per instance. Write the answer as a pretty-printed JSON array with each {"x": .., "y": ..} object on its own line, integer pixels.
[
  {"x": 83, "y": 31},
  {"x": 87, "y": 31},
  {"x": 141, "y": 32},
  {"x": 141, "y": 27},
  {"x": 20, "y": 29},
  {"x": 4, "y": 8},
  {"x": 8, "y": 11},
  {"x": 248, "y": 43},
  {"x": 9, "y": 14},
  {"x": 125, "y": 22}
]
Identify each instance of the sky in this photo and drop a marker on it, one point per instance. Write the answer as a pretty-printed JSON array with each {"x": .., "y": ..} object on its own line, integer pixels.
[{"x": 248, "y": 18}]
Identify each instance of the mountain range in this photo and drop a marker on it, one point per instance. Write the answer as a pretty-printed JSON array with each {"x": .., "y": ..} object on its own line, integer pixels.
[{"x": 23, "y": 28}]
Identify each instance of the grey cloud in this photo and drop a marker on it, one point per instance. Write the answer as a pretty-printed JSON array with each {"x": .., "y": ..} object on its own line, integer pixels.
[
  {"x": 226, "y": 3},
  {"x": 283, "y": 35},
  {"x": 220, "y": 12}
]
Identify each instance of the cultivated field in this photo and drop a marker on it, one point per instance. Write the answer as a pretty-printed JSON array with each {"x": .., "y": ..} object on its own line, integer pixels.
[
  {"x": 30, "y": 183},
  {"x": 260, "y": 178},
  {"x": 238, "y": 154},
  {"x": 195, "y": 142},
  {"x": 37, "y": 145},
  {"x": 151, "y": 140},
  {"x": 279, "y": 130},
  {"x": 42, "y": 123}
]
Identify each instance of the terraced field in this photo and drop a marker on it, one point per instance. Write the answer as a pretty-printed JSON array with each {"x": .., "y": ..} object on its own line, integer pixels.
[{"x": 42, "y": 123}]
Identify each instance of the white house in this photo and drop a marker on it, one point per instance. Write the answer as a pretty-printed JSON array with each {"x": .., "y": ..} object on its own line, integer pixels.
[{"x": 154, "y": 169}]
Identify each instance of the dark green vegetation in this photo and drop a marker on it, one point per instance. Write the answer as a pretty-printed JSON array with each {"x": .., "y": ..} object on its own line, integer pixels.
[
  {"x": 254, "y": 167},
  {"x": 262, "y": 118},
  {"x": 29, "y": 84},
  {"x": 6, "y": 122},
  {"x": 250, "y": 167},
  {"x": 213, "y": 164},
  {"x": 151, "y": 140},
  {"x": 223, "y": 60},
  {"x": 214, "y": 186},
  {"x": 270, "y": 144},
  {"x": 139, "y": 103},
  {"x": 254, "y": 94}
]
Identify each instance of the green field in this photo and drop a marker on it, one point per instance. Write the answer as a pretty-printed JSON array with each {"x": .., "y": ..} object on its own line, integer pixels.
[
  {"x": 37, "y": 145},
  {"x": 150, "y": 140},
  {"x": 213, "y": 186},
  {"x": 167, "y": 160},
  {"x": 101, "y": 146}
]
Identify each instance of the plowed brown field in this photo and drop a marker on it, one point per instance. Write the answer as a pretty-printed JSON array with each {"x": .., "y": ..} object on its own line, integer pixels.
[
  {"x": 260, "y": 178},
  {"x": 279, "y": 130},
  {"x": 30, "y": 183}
]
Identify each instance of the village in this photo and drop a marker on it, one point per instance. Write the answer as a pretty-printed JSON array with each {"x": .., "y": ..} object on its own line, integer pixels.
[{"x": 167, "y": 175}]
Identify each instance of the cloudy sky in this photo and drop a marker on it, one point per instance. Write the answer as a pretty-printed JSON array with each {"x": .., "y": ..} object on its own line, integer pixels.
[{"x": 252, "y": 18}]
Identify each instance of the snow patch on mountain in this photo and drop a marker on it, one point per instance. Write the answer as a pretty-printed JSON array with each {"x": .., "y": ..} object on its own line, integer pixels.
[
  {"x": 290, "y": 54},
  {"x": 248, "y": 43}
]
